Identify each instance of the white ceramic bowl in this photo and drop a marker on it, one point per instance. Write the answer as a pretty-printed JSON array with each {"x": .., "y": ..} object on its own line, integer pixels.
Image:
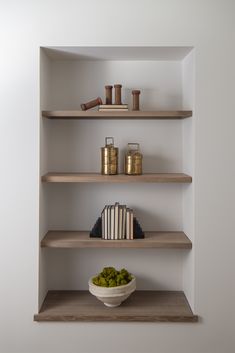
[{"x": 112, "y": 296}]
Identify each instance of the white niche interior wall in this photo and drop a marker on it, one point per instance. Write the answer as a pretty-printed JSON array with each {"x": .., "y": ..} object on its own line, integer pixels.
[{"x": 71, "y": 76}]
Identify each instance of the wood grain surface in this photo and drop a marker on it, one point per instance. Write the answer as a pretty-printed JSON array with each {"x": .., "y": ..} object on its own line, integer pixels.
[
  {"x": 81, "y": 239},
  {"x": 94, "y": 114},
  {"x": 119, "y": 178},
  {"x": 152, "y": 306}
]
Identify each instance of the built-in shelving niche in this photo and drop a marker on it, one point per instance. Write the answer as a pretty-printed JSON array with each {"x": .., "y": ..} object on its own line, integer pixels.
[{"x": 71, "y": 145}]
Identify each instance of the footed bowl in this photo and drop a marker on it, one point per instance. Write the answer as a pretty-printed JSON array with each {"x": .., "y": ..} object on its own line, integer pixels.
[{"x": 112, "y": 296}]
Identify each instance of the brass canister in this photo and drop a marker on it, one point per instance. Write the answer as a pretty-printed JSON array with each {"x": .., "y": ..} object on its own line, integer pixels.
[
  {"x": 133, "y": 159},
  {"x": 109, "y": 157}
]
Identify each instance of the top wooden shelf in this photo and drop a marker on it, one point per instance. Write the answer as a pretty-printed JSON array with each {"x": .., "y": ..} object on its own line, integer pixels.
[{"x": 94, "y": 114}]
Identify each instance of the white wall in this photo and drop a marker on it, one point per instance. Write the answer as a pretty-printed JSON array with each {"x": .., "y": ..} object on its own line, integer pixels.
[{"x": 209, "y": 27}]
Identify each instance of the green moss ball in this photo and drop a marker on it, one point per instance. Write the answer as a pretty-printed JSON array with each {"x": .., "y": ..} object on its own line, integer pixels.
[{"x": 110, "y": 277}]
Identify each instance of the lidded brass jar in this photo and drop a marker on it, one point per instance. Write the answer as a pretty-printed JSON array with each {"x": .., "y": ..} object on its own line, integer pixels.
[
  {"x": 109, "y": 157},
  {"x": 133, "y": 159}
]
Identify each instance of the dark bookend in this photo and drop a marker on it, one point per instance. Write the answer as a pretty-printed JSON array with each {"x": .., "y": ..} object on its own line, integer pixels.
[{"x": 96, "y": 231}]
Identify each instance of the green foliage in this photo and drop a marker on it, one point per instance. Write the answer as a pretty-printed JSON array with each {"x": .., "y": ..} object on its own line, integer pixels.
[{"x": 110, "y": 277}]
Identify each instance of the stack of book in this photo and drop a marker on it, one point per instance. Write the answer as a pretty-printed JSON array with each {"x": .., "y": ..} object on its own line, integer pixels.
[
  {"x": 113, "y": 108},
  {"x": 117, "y": 222}
]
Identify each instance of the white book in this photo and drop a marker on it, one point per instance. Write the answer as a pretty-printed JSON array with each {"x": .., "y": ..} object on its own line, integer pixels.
[
  {"x": 116, "y": 220},
  {"x": 128, "y": 218},
  {"x": 131, "y": 224},
  {"x": 123, "y": 222},
  {"x": 120, "y": 223},
  {"x": 113, "y": 110},
  {"x": 103, "y": 224},
  {"x": 113, "y": 106},
  {"x": 106, "y": 222},
  {"x": 112, "y": 220}
]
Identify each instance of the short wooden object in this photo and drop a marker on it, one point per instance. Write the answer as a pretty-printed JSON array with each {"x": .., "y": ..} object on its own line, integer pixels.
[{"x": 91, "y": 104}]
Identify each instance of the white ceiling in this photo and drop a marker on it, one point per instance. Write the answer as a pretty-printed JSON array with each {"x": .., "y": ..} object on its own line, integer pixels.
[{"x": 117, "y": 53}]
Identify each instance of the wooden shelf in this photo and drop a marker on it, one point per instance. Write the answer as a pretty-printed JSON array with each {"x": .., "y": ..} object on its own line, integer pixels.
[
  {"x": 94, "y": 114},
  {"x": 119, "y": 178},
  {"x": 81, "y": 239},
  {"x": 152, "y": 306}
]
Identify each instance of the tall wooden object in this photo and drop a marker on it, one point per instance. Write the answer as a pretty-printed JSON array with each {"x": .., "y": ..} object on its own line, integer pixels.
[
  {"x": 108, "y": 94},
  {"x": 136, "y": 99},
  {"x": 118, "y": 94}
]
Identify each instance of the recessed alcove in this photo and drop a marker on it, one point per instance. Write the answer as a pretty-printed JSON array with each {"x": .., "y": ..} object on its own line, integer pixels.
[{"x": 73, "y": 75}]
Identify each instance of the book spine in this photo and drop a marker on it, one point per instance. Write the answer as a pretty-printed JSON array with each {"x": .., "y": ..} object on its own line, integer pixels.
[
  {"x": 116, "y": 220},
  {"x": 127, "y": 223},
  {"x": 113, "y": 110},
  {"x": 109, "y": 222},
  {"x": 103, "y": 224},
  {"x": 106, "y": 222},
  {"x": 120, "y": 221},
  {"x": 131, "y": 224},
  {"x": 112, "y": 221},
  {"x": 113, "y": 106},
  {"x": 124, "y": 223}
]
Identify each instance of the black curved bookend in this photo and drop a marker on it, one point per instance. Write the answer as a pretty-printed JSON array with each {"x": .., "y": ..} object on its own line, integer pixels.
[{"x": 96, "y": 231}]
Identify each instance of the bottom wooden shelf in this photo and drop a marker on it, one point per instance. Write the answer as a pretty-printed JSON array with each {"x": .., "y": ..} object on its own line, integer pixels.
[
  {"x": 81, "y": 239},
  {"x": 152, "y": 306}
]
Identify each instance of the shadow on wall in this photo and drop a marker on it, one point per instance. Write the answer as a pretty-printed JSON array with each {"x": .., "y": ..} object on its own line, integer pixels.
[
  {"x": 148, "y": 99},
  {"x": 156, "y": 164}
]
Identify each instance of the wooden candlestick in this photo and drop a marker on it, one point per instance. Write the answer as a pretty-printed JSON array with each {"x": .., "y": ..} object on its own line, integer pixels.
[
  {"x": 136, "y": 100},
  {"x": 91, "y": 104},
  {"x": 118, "y": 94},
  {"x": 108, "y": 94}
]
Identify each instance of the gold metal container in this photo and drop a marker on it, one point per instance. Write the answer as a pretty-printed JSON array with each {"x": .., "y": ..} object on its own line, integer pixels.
[
  {"x": 133, "y": 159},
  {"x": 109, "y": 157}
]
